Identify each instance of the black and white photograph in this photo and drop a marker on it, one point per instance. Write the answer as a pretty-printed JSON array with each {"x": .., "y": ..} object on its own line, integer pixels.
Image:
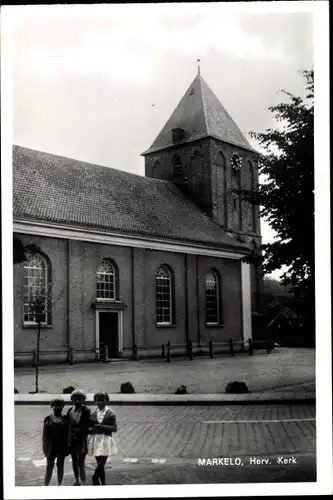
[{"x": 166, "y": 291}]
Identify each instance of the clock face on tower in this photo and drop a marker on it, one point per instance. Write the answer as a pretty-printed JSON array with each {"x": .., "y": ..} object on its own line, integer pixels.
[{"x": 236, "y": 161}]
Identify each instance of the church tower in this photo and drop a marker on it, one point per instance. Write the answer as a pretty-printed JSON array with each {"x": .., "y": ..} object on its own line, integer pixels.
[{"x": 202, "y": 150}]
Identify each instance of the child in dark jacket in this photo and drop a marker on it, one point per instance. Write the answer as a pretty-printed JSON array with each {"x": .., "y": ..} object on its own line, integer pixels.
[
  {"x": 56, "y": 440},
  {"x": 79, "y": 418}
]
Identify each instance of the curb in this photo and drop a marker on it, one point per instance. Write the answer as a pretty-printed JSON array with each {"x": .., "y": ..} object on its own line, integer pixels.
[{"x": 172, "y": 399}]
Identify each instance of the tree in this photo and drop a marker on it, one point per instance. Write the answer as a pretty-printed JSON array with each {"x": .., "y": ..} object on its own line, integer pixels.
[
  {"x": 277, "y": 300},
  {"x": 20, "y": 250},
  {"x": 286, "y": 197},
  {"x": 39, "y": 309}
]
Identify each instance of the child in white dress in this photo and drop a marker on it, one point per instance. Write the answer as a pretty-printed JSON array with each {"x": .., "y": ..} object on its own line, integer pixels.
[{"x": 100, "y": 441}]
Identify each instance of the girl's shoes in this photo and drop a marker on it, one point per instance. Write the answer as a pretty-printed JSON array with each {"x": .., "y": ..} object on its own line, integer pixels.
[{"x": 77, "y": 483}]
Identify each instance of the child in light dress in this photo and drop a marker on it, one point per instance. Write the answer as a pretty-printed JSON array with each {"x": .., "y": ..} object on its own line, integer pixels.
[{"x": 101, "y": 444}]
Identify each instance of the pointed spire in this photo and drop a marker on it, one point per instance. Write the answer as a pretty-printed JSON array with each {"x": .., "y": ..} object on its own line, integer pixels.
[
  {"x": 198, "y": 61},
  {"x": 200, "y": 114}
]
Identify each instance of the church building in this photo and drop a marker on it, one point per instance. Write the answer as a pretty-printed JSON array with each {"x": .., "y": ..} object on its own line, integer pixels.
[{"x": 132, "y": 262}]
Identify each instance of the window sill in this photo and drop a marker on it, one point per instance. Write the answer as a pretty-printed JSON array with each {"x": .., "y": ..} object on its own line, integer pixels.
[
  {"x": 214, "y": 325},
  {"x": 33, "y": 326}
]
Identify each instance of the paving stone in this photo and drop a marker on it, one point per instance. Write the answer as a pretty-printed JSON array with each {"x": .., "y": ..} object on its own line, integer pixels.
[{"x": 173, "y": 432}]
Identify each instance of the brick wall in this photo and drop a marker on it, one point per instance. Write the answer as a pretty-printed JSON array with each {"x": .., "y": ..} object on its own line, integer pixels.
[
  {"x": 202, "y": 173},
  {"x": 84, "y": 258},
  {"x": 246, "y": 209},
  {"x": 154, "y": 335},
  {"x": 56, "y": 337},
  {"x": 231, "y": 300},
  {"x": 195, "y": 163},
  {"x": 73, "y": 276}
]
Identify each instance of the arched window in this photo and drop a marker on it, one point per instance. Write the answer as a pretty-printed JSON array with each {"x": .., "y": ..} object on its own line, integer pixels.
[
  {"x": 221, "y": 190},
  {"x": 252, "y": 208},
  {"x": 164, "y": 296},
  {"x": 236, "y": 197},
  {"x": 36, "y": 285},
  {"x": 106, "y": 280},
  {"x": 212, "y": 288}
]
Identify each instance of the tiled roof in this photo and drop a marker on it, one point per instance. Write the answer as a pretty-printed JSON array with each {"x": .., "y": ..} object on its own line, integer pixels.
[
  {"x": 57, "y": 189},
  {"x": 200, "y": 114}
]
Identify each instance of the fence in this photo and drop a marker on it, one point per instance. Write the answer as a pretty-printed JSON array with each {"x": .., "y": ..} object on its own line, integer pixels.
[
  {"x": 167, "y": 352},
  {"x": 231, "y": 347},
  {"x": 69, "y": 356}
]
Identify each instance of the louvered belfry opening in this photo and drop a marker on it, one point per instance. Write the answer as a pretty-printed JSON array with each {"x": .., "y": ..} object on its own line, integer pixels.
[{"x": 177, "y": 165}]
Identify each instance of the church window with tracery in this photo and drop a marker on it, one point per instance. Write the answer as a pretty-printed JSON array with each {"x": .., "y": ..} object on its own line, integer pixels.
[{"x": 106, "y": 280}]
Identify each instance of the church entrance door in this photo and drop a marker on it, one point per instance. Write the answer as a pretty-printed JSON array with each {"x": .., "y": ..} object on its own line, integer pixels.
[{"x": 108, "y": 333}]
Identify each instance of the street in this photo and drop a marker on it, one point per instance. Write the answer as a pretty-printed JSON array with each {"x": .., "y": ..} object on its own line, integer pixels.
[{"x": 188, "y": 444}]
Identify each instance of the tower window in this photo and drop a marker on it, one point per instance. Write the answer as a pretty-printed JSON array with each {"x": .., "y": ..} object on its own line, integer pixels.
[
  {"x": 177, "y": 165},
  {"x": 236, "y": 161}
]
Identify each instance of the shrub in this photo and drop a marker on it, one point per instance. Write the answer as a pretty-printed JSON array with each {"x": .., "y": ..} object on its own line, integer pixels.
[
  {"x": 127, "y": 388},
  {"x": 237, "y": 387},
  {"x": 16, "y": 391},
  {"x": 181, "y": 390},
  {"x": 68, "y": 390}
]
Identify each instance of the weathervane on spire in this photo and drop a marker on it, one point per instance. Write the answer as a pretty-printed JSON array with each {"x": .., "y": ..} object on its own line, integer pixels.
[{"x": 198, "y": 61}]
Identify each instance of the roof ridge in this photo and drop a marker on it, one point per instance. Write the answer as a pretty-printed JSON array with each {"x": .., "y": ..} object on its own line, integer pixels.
[
  {"x": 208, "y": 89},
  {"x": 201, "y": 80},
  {"x": 89, "y": 164}
]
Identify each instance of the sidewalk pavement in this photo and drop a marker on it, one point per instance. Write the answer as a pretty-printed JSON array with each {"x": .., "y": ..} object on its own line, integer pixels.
[
  {"x": 301, "y": 393},
  {"x": 284, "y": 370}
]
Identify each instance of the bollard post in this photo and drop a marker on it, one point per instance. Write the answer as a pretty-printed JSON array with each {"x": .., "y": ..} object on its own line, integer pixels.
[
  {"x": 163, "y": 351},
  {"x": 34, "y": 358},
  {"x": 267, "y": 347},
  {"x": 190, "y": 350},
  {"x": 231, "y": 347},
  {"x": 168, "y": 352},
  {"x": 106, "y": 353},
  {"x": 135, "y": 353},
  {"x": 250, "y": 347},
  {"x": 211, "y": 349},
  {"x": 71, "y": 356}
]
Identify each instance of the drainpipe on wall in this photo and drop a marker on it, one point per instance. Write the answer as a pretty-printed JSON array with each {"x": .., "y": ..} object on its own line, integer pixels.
[
  {"x": 186, "y": 304},
  {"x": 133, "y": 307},
  {"x": 198, "y": 302},
  {"x": 69, "y": 343}
]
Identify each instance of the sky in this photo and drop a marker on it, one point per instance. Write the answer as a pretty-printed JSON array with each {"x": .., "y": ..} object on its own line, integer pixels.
[{"x": 98, "y": 82}]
